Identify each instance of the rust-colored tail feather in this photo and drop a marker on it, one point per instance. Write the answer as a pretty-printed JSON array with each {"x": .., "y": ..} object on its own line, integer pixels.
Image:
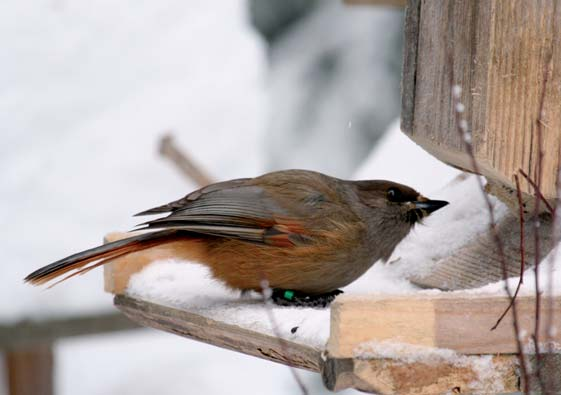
[{"x": 99, "y": 256}]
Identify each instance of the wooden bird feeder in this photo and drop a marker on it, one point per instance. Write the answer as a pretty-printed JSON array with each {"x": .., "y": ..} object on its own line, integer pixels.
[
  {"x": 505, "y": 56},
  {"x": 457, "y": 322},
  {"x": 500, "y": 53}
]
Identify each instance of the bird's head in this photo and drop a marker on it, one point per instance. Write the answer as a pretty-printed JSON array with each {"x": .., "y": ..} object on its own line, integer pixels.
[
  {"x": 389, "y": 211},
  {"x": 396, "y": 202}
]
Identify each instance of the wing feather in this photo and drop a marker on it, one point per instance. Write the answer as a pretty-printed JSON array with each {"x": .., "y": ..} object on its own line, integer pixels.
[{"x": 233, "y": 210}]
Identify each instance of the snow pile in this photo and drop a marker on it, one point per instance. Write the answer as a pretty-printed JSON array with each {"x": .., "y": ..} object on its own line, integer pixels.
[
  {"x": 444, "y": 231},
  {"x": 188, "y": 286}
]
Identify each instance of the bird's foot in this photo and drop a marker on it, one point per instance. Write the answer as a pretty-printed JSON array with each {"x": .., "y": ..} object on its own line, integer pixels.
[{"x": 285, "y": 297}]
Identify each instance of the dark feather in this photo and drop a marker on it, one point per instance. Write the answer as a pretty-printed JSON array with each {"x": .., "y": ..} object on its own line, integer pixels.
[
  {"x": 234, "y": 209},
  {"x": 178, "y": 204},
  {"x": 105, "y": 251}
]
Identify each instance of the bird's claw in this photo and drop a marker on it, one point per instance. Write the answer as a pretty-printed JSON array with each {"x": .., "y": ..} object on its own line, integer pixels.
[{"x": 285, "y": 297}]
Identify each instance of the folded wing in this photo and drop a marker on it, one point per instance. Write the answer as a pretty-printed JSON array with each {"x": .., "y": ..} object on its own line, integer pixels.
[{"x": 233, "y": 209}]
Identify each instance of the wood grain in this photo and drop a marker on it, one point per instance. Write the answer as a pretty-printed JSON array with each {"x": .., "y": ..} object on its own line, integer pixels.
[
  {"x": 394, "y": 377},
  {"x": 478, "y": 263},
  {"x": 455, "y": 321},
  {"x": 499, "y": 51},
  {"x": 232, "y": 337}
]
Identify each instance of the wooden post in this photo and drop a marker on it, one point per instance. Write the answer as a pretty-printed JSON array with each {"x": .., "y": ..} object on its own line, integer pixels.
[
  {"x": 28, "y": 353},
  {"x": 30, "y": 370},
  {"x": 498, "y": 52}
]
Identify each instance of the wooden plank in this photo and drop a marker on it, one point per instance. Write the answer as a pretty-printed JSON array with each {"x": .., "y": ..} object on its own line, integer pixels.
[
  {"x": 409, "y": 70},
  {"x": 30, "y": 370},
  {"x": 478, "y": 262},
  {"x": 499, "y": 52},
  {"x": 232, "y": 337},
  {"x": 31, "y": 333},
  {"x": 475, "y": 374},
  {"x": 455, "y": 321}
]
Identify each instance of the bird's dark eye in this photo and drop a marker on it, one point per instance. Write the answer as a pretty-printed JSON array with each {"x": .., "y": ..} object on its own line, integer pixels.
[{"x": 393, "y": 194}]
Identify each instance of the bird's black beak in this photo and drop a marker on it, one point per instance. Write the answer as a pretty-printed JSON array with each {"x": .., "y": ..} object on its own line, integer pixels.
[{"x": 430, "y": 206}]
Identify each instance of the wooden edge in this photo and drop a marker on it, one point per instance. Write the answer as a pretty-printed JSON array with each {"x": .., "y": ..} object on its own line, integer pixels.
[
  {"x": 458, "y": 321},
  {"x": 479, "y": 374},
  {"x": 32, "y": 333},
  {"x": 409, "y": 70},
  {"x": 231, "y": 337}
]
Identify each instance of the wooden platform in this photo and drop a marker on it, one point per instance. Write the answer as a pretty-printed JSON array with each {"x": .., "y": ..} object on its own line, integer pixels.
[
  {"x": 222, "y": 334},
  {"x": 428, "y": 343}
]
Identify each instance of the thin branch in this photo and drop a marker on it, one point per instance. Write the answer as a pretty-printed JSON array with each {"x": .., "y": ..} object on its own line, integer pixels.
[
  {"x": 522, "y": 253},
  {"x": 556, "y": 233},
  {"x": 188, "y": 167},
  {"x": 266, "y": 293},
  {"x": 465, "y": 135},
  {"x": 537, "y": 191},
  {"x": 538, "y": 179}
]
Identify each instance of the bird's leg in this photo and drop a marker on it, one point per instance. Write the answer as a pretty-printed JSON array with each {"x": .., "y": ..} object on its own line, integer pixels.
[
  {"x": 285, "y": 297},
  {"x": 245, "y": 294}
]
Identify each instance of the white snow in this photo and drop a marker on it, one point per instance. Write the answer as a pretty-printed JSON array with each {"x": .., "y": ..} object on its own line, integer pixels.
[
  {"x": 188, "y": 286},
  {"x": 86, "y": 91}
]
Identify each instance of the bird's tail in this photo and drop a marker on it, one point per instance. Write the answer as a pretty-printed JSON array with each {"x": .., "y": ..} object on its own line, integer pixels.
[{"x": 85, "y": 261}]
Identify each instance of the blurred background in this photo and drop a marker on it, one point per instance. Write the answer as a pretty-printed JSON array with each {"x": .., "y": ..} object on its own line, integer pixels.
[{"x": 87, "y": 89}]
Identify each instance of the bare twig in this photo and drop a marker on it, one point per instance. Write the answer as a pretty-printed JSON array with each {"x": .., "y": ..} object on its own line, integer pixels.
[
  {"x": 556, "y": 235},
  {"x": 537, "y": 188},
  {"x": 537, "y": 191},
  {"x": 465, "y": 135},
  {"x": 193, "y": 172},
  {"x": 522, "y": 253},
  {"x": 266, "y": 293}
]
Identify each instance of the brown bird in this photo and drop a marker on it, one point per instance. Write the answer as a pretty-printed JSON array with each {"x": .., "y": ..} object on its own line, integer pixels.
[{"x": 305, "y": 233}]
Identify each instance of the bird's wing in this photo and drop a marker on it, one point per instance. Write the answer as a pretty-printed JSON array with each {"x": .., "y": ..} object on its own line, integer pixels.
[{"x": 234, "y": 209}]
